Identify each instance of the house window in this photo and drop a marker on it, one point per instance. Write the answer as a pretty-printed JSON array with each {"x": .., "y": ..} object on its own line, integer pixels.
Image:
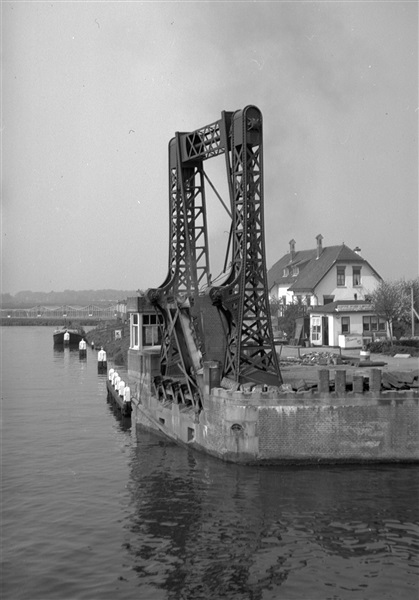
[
  {"x": 135, "y": 331},
  {"x": 285, "y": 272},
  {"x": 356, "y": 276},
  {"x": 295, "y": 271},
  {"x": 316, "y": 328},
  {"x": 346, "y": 324},
  {"x": 150, "y": 330},
  {"x": 374, "y": 323},
  {"x": 340, "y": 276}
]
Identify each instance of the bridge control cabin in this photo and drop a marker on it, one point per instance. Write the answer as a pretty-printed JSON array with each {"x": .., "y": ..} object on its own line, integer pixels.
[
  {"x": 144, "y": 323},
  {"x": 144, "y": 356},
  {"x": 145, "y": 340}
]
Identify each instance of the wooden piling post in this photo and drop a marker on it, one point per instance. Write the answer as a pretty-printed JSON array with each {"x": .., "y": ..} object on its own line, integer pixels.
[
  {"x": 358, "y": 384},
  {"x": 324, "y": 381},
  {"x": 340, "y": 382},
  {"x": 375, "y": 380}
]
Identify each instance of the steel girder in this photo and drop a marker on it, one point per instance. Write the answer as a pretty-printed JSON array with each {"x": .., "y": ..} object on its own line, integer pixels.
[
  {"x": 250, "y": 354},
  {"x": 242, "y": 302}
]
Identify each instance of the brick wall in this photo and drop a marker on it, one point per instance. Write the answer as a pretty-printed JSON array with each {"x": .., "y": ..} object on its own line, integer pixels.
[
  {"x": 377, "y": 431},
  {"x": 309, "y": 427}
]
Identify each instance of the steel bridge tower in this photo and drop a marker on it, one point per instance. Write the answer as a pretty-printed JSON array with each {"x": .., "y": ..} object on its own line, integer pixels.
[{"x": 231, "y": 322}]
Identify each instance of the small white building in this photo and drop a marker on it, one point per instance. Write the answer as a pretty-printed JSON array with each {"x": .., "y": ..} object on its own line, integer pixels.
[
  {"x": 348, "y": 324},
  {"x": 144, "y": 323}
]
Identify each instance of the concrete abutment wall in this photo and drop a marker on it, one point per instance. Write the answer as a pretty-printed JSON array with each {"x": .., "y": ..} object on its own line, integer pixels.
[{"x": 277, "y": 426}]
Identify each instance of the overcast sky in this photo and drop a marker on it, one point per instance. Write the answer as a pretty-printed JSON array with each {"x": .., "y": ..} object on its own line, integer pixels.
[{"x": 92, "y": 92}]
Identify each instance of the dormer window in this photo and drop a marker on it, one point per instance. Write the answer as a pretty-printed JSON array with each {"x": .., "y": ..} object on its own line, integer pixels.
[
  {"x": 286, "y": 272},
  {"x": 295, "y": 271}
]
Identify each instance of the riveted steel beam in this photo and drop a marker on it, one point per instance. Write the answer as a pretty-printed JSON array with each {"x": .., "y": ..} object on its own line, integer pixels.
[{"x": 241, "y": 304}]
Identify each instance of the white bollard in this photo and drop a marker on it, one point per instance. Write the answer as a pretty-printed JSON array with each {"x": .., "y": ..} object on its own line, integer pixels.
[{"x": 101, "y": 355}]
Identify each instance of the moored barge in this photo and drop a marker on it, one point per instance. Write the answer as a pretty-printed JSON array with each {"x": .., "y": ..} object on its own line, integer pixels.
[{"x": 67, "y": 337}]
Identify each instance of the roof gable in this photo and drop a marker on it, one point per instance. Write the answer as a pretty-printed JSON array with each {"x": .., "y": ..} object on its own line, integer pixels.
[
  {"x": 313, "y": 269},
  {"x": 276, "y": 272}
]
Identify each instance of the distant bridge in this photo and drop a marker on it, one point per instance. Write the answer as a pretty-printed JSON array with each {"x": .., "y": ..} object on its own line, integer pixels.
[{"x": 66, "y": 311}]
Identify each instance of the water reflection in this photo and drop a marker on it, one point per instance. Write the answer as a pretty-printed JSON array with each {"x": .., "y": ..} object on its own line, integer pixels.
[
  {"x": 123, "y": 422},
  {"x": 203, "y": 529}
]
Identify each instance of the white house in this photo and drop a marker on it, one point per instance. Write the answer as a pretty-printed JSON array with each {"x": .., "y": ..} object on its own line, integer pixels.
[{"x": 323, "y": 275}]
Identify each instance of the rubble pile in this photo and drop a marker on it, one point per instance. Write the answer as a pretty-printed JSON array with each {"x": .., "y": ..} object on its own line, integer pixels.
[
  {"x": 400, "y": 381},
  {"x": 314, "y": 358}
]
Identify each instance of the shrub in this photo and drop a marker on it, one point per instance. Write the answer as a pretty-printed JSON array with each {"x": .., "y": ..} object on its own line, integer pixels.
[{"x": 399, "y": 347}]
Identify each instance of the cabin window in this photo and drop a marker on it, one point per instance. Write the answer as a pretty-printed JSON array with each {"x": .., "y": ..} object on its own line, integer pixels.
[
  {"x": 346, "y": 324},
  {"x": 135, "y": 331},
  {"x": 356, "y": 276},
  {"x": 151, "y": 332},
  {"x": 340, "y": 277}
]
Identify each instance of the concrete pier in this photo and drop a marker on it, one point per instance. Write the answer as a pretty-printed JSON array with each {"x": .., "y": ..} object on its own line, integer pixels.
[{"x": 317, "y": 425}]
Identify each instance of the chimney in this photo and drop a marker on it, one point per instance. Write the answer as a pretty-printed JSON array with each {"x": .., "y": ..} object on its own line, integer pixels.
[
  {"x": 357, "y": 250},
  {"x": 319, "y": 245},
  {"x": 292, "y": 250}
]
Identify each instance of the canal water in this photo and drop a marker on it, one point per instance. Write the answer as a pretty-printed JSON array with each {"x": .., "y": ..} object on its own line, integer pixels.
[{"x": 92, "y": 510}]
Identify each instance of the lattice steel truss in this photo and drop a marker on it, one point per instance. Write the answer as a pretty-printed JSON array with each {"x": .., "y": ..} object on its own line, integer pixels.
[{"x": 241, "y": 303}]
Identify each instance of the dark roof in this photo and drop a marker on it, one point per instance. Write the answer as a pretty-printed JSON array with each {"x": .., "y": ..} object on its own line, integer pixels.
[
  {"x": 312, "y": 269},
  {"x": 139, "y": 304}
]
